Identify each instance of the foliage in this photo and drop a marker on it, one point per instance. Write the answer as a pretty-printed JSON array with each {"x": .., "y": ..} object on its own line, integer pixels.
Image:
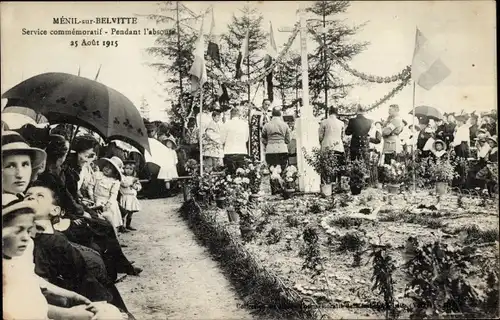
[
  {"x": 325, "y": 163},
  {"x": 438, "y": 281},
  {"x": 336, "y": 43},
  {"x": 220, "y": 186},
  {"x": 292, "y": 221},
  {"x": 251, "y": 20},
  {"x": 313, "y": 260},
  {"x": 268, "y": 209},
  {"x": 253, "y": 173},
  {"x": 353, "y": 241},
  {"x": 289, "y": 78},
  {"x": 395, "y": 173},
  {"x": 358, "y": 173},
  {"x": 172, "y": 55},
  {"x": 441, "y": 171},
  {"x": 192, "y": 167},
  {"x": 237, "y": 192},
  {"x": 345, "y": 222},
  {"x": 383, "y": 269},
  {"x": 274, "y": 236}
]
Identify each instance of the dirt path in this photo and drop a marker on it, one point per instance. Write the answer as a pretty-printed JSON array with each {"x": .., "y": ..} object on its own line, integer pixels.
[{"x": 180, "y": 280}]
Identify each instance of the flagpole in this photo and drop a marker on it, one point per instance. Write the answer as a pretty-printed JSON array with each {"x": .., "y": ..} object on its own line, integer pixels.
[
  {"x": 199, "y": 131},
  {"x": 413, "y": 143}
]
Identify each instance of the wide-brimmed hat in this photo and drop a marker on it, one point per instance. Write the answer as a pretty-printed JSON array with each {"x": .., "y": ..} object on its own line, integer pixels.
[
  {"x": 116, "y": 162},
  {"x": 14, "y": 143},
  {"x": 439, "y": 141},
  {"x": 11, "y": 203},
  {"x": 171, "y": 139},
  {"x": 493, "y": 138}
]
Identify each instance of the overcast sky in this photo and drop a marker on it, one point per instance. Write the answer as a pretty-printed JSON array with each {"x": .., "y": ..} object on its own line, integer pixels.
[{"x": 464, "y": 31}]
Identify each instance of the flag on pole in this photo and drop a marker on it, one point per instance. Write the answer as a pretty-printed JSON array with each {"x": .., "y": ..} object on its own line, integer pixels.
[
  {"x": 213, "y": 42},
  {"x": 271, "y": 54},
  {"x": 242, "y": 55},
  {"x": 222, "y": 94},
  {"x": 427, "y": 68},
  {"x": 198, "y": 70}
]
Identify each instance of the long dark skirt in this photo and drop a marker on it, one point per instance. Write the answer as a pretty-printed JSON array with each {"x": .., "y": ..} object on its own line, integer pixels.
[{"x": 100, "y": 236}]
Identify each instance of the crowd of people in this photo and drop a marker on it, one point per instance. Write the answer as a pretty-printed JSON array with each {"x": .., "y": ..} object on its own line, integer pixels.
[
  {"x": 65, "y": 201},
  {"x": 263, "y": 135},
  {"x": 63, "y": 208}
]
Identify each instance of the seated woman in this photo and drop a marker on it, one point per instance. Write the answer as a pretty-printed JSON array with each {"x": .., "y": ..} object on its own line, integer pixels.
[
  {"x": 81, "y": 228},
  {"x": 20, "y": 283}
]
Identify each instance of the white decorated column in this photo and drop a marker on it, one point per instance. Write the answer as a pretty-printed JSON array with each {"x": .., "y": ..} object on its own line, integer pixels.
[{"x": 306, "y": 126}]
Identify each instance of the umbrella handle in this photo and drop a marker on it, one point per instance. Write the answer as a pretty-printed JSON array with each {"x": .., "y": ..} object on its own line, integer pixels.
[{"x": 74, "y": 135}]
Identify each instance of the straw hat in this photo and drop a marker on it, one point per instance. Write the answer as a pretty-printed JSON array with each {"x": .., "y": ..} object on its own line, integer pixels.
[
  {"x": 171, "y": 139},
  {"x": 14, "y": 143},
  {"x": 439, "y": 141},
  {"x": 11, "y": 203},
  {"x": 493, "y": 138},
  {"x": 116, "y": 162}
]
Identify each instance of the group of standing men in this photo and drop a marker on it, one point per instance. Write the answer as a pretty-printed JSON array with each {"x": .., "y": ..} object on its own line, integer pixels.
[{"x": 266, "y": 133}]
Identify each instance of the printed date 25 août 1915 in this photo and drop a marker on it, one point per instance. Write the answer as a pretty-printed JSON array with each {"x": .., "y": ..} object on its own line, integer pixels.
[{"x": 93, "y": 43}]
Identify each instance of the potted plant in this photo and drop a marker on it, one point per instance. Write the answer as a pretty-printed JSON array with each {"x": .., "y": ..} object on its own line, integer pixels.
[
  {"x": 324, "y": 161},
  {"x": 358, "y": 173},
  {"x": 237, "y": 198},
  {"x": 394, "y": 176},
  {"x": 290, "y": 178},
  {"x": 441, "y": 172},
  {"x": 253, "y": 173},
  {"x": 220, "y": 190}
]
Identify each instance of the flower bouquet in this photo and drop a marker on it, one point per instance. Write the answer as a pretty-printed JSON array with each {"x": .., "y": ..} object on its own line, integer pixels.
[
  {"x": 394, "y": 175},
  {"x": 253, "y": 173},
  {"x": 290, "y": 177}
]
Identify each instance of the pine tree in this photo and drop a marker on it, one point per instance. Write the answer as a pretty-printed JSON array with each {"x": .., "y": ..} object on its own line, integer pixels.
[
  {"x": 174, "y": 49},
  {"x": 288, "y": 79},
  {"x": 334, "y": 43},
  {"x": 250, "y": 19},
  {"x": 174, "y": 53}
]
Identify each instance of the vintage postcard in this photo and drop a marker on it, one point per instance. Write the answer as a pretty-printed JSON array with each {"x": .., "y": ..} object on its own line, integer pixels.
[{"x": 249, "y": 159}]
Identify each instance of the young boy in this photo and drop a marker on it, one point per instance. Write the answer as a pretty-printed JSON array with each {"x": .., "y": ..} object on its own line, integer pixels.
[
  {"x": 55, "y": 258},
  {"x": 20, "y": 283}
]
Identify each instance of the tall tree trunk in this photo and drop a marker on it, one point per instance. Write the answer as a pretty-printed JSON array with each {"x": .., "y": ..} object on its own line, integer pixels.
[
  {"x": 181, "y": 89},
  {"x": 325, "y": 75}
]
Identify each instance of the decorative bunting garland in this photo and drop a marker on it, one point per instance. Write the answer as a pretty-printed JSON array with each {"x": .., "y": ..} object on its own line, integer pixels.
[
  {"x": 400, "y": 76},
  {"x": 404, "y": 76},
  {"x": 251, "y": 81},
  {"x": 384, "y": 99}
]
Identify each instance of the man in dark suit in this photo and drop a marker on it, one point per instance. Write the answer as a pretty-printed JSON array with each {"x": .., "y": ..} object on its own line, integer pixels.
[
  {"x": 358, "y": 128},
  {"x": 473, "y": 129}
]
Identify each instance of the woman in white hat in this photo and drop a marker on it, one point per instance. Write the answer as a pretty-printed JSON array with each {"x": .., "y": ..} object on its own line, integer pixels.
[
  {"x": 20, "y": 163},
  {"x": 20, "y": 283},
  {"x": 107, "y": 187}
]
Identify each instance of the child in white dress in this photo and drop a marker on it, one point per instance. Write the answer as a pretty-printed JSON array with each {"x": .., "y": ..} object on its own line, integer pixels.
[
  {"x": 129, "y": 187},
  {"x": 107, "y": 186},
  {"x": 168, "y": 171}
]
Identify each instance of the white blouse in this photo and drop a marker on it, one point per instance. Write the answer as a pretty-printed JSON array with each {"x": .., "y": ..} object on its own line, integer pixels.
[{"x": 21, "y": 288}]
